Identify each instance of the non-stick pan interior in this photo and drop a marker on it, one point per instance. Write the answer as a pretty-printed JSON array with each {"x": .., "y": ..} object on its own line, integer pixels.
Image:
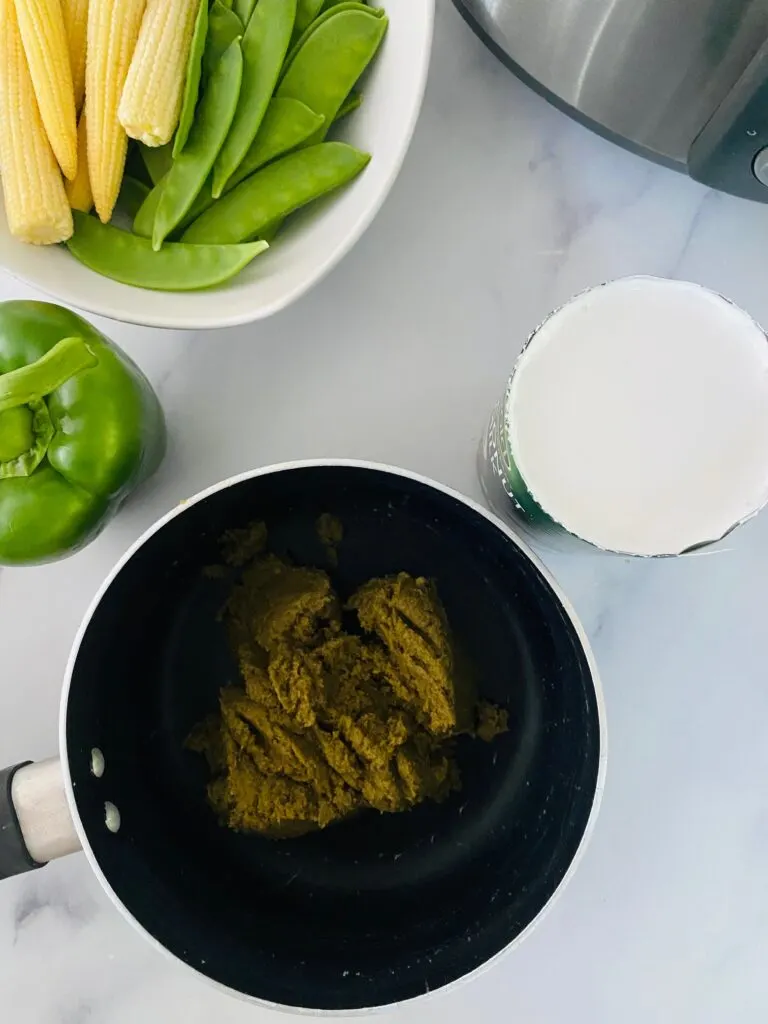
[{"x": 384, "y": 907}]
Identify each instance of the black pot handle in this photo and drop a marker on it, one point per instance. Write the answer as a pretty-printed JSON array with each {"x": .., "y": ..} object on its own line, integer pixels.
[
  {"x": 35, "y": 823},
  {"x": 730, "y": 151}
]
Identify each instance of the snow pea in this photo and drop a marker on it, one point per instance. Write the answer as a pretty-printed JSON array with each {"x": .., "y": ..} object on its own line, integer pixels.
[
  {"x": 244, "y": 9},
  {"x": 192, "y": 80},
  {"x": 209, "y": 129},
  {"x": 343, "y": 5},
  {"x": 268, "y": 232},
  {"x": 351, "y": 103},
  {"x": 306, "y": 12},
  {"x": 132, "y": 260},
  {"x": 190, "y": 169},
  {"x": 132, "y": 195},
  {"x": 275, "y": 191},
  {"x": 144, "y": 217},
  {"x": 265, "y": 44},
  {"x": 332, "y": 59},
  {"x": 224, "y": 27},
  {"x": 287, "y": 123},
  {"x": 157, "y": 160}
]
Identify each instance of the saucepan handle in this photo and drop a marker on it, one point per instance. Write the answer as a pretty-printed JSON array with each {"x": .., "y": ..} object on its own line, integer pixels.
[{"x": 35, "y": 823}]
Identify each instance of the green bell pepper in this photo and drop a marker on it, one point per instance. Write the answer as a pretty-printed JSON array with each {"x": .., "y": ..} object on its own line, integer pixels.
[{"x": 80, "y": 428}]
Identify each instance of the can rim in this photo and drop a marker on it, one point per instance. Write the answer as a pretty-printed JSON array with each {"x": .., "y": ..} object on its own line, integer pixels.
[{"x": 525, "y": 500}]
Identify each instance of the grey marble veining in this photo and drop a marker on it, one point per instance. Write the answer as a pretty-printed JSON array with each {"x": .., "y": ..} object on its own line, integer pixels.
[{"x": 503, "y": 209}]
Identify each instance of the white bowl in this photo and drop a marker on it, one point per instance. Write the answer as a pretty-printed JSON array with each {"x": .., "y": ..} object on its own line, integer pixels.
[{"x": 312, "y": 245}]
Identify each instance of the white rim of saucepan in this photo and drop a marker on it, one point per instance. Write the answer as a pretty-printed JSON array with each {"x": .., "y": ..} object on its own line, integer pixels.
[
  {"x": 180, "y": 322},
  {"x": 499, "y": 525}
]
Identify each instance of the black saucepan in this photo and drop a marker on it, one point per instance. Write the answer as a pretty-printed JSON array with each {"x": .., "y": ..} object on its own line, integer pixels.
[{"x": 371, "y": 912}]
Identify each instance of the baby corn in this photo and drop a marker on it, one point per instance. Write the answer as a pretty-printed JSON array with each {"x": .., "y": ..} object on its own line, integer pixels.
[
  {"x": 76, "y": 25},
  {"x": 36, "y": 205},
  {"x": 113, "y": 28},
  {"x": 79, "y": 189},
  {"x": 151, "y": 102},
  {"x": 44, "y": 38}
]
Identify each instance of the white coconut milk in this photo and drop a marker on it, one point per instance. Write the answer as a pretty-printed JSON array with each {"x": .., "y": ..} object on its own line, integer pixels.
[{"x": 637, "y": 416}]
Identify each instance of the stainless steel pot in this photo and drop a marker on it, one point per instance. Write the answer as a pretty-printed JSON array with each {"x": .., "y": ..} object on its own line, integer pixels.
[{"x": 684, "y": 82}]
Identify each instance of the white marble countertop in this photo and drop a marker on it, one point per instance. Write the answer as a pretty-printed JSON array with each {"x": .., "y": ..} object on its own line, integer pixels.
[{"x": 504, "y": 208}]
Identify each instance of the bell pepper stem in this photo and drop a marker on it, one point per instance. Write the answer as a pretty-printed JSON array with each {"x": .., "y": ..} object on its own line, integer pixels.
[
  {"x": 67, "y": 357},
  {"x": 16, "y": 432},
  {"x": 25, "y": 433}
]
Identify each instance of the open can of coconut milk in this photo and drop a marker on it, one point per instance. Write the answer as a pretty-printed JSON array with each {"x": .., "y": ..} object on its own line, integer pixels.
[{"x": 635, "y": 421}]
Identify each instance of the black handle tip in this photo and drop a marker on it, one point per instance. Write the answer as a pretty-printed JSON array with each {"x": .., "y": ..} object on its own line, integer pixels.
[{"x": 14, "y": 855}]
